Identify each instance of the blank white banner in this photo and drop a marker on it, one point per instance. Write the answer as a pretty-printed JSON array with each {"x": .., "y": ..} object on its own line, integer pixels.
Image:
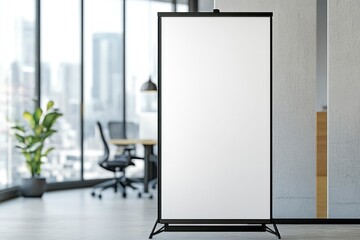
[{"x": 215, "y": 118}]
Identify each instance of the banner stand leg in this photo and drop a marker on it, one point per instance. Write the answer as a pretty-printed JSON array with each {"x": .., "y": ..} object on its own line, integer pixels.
[
  {"x": 275, "y": 231},
  {"x": 153, "y": 232}
]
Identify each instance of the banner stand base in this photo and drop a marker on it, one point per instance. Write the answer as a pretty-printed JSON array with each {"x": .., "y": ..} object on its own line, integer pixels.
[{"x": 216, "y": 228}]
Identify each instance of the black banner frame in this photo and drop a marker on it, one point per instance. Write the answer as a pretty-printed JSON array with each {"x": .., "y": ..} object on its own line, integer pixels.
[{"x": 211, "y": 225}]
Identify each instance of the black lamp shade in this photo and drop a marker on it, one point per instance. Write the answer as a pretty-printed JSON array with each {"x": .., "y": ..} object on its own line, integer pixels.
[{"x": 148, "y": 86}]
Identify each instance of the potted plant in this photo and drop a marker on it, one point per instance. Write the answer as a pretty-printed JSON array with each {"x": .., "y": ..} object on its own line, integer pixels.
[{"x": 31, "y": 142}]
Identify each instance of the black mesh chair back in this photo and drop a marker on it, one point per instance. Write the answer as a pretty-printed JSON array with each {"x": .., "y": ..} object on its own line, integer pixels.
[
  {"x": 116, "y": 130},
  {"x": 106, "y": 146}
]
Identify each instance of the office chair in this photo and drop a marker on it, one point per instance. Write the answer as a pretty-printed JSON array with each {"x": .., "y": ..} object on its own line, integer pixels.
[
  {"x": 154, "y": 182},
  {"x": 117, "y": 165},
  {"x": 116, "y": 131}
]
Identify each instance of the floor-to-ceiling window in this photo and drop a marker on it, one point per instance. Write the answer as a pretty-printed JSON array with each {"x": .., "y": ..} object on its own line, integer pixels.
[
  {"x": 60, "y": 82},
  {"x": 103, "y": 81},
  {"x": 106, "y": 92},
  {"x": 17, "y": 81}
]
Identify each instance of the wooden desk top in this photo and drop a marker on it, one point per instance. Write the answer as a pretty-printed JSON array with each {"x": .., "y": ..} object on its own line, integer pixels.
[{"x": 125, "y": 142}]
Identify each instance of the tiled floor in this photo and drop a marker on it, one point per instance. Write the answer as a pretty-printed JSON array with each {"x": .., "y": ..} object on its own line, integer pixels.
[{"x": 75, "y": 214}]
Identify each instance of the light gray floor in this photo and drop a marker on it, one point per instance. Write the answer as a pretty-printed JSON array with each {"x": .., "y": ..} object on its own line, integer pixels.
[{"x": 75, "y": 214}]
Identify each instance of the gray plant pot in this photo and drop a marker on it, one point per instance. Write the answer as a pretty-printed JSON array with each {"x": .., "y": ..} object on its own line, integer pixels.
[{"x": 33, "y": 187}]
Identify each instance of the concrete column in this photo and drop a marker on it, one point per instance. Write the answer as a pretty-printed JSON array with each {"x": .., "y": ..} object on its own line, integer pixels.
[{"x": 344, "y": 108}]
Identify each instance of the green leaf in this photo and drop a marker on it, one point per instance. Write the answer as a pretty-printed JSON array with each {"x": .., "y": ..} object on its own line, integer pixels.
[
  {"x": 29, "y": 117},
  {"x": 47, "y": 134},
  {"x": 27, "y": 157},
  {"x": 35, "y": 147},
  {"x": 37, "y": 156},
  {"x": 38, "y": 129},
  {"x": 47, "y": 151},
  {"x": 37, "y": 115},
  {"x": 19, "y": 128},
  {"x": 30, "y": 140},
  {"x": 20, "y": 138},
  {"x": 50, "y": 119},
  {"x": 49, "y": 105}
]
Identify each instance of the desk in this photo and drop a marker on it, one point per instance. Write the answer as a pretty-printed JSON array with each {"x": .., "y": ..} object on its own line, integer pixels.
[{"x": 148, "y": 147}]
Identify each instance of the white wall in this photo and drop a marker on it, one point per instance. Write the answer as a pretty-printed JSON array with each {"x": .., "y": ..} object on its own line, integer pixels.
[
  {"x": 294, "y": 89},
  {"x": 344, "y": 108}
]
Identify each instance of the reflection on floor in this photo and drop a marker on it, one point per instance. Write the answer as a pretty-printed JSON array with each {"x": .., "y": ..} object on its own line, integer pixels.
[{"x": 75, "y": 214}]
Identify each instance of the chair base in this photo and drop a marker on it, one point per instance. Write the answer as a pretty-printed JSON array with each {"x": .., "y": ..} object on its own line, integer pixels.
[
  {"x": 117, "y": 184},
  {"x": 153, "y": 183}
]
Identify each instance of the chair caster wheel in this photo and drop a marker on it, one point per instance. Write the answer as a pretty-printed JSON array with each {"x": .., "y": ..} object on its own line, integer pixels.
[
  {"x": 93, "y": 194},
  {"x": 99, "y": 196},
  {"x": 124, "y": 195},
  {"x": 153, "y": 187},
  {"x": 151, "y": 196},
  {"x": 139, "y": 195}
]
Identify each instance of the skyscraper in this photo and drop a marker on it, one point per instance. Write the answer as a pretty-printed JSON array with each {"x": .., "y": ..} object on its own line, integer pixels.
[{"x": 107, "y": 70}]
